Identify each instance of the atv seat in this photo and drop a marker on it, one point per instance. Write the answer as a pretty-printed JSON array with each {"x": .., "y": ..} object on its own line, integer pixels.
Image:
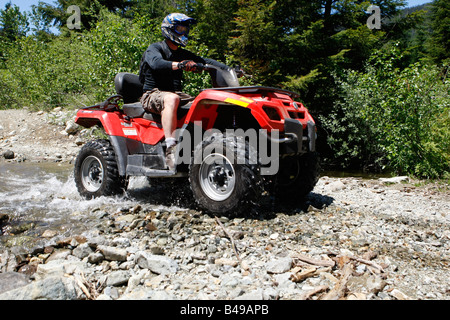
[
  {"x": 135, "y": 110},
  {"x": 128, "y": 86}
]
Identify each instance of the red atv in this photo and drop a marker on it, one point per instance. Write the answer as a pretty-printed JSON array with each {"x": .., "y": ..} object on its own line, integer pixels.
[{"x": 234, "y": 143}]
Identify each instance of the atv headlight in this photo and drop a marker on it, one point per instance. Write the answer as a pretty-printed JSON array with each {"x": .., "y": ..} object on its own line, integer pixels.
[{"x": 272, "y": 113}]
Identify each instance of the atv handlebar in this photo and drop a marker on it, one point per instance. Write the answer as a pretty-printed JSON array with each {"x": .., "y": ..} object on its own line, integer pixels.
[{"x": 237, "y": 69}]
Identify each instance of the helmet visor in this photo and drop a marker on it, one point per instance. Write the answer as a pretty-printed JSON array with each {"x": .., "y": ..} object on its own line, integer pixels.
[{"x": 181, "y": 30}]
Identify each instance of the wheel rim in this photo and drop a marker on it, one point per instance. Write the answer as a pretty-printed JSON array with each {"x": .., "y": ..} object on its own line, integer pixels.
[
  {"x": 217, "y": 177},
  {"x": 92, "y": 173}
]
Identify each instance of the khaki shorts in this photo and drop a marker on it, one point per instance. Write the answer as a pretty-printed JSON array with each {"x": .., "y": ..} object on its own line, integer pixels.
[{"x": 153, "y": 100}]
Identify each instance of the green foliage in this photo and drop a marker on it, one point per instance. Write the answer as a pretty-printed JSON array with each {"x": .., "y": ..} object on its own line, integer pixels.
[
  {"x": 392, "y": 117},
  {"x": 117, "y": 45},
  {"x": 43, "y": 75}
]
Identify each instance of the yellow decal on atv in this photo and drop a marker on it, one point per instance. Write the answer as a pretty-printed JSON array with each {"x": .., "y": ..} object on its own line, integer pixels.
[
  {"x": 247, "y": 99},
  {"x": 238, "y": 102}
]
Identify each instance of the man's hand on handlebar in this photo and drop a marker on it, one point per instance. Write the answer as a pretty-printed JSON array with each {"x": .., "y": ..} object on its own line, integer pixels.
[{"x": 189, "y": 65}]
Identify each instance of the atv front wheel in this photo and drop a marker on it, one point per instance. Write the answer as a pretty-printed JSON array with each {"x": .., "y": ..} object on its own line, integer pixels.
[
  {"x": 96, "y": 172},
  {"x": 297, "y": 177},
  {"x": 225, "y": 174}
]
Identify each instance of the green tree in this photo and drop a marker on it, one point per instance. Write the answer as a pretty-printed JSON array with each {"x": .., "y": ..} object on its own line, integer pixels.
[
  {"x": 215, "y": 24},
  {"x": 89, "y": 10},
  {"x": 439, "y": 46},
  {"x": 13, "y": 26},
  {"x": 13, "y": 23}
]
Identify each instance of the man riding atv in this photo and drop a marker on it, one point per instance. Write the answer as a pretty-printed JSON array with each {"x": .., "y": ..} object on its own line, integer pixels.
[
  {"x": 235, "y": 142},
  {"x": 161, "y": 73}
]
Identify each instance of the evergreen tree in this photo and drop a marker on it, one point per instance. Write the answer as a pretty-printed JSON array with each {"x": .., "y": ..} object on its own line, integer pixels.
[
  {"x": 13, "y": 23},
  {"x": 439, "y": 46}
]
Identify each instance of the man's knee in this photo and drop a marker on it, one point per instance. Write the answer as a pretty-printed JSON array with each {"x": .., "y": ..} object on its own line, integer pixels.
[{"x": 171, "y": 101}]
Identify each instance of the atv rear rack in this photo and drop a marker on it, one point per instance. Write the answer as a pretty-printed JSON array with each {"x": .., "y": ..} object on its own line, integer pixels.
[{"x": 257, "y": 89}]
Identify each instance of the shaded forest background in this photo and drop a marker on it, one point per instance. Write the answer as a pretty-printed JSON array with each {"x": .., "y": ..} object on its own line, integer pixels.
[{"x": 380, "y": 97}]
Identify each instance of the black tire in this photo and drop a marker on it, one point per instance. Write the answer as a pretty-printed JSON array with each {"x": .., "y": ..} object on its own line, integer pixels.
[
  {"x": 297, "y": 177},
  {"x": 96, "y": 172},
  {"x": 226, "y": 181}
]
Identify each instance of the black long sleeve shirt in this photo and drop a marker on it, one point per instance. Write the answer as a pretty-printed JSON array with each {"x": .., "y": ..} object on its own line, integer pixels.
[{"x": 156, "y": 67}]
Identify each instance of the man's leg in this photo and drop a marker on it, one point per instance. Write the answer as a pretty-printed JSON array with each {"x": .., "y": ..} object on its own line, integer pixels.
[
  {"x": 169, "y": 115},
  {"x": 169, "y": 123}
]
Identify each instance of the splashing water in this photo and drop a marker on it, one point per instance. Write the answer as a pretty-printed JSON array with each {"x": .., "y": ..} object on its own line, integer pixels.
[{"x": 41, "y": 196}]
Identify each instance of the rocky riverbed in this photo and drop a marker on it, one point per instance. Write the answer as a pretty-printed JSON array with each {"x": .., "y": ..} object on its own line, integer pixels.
[{"x": 353, "y": 238}]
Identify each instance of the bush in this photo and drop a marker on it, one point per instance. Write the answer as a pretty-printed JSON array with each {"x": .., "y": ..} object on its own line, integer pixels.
[
  {"x": 43, "y": 75},
  {"x": 393, "y": 119},
  {"x": 117, "y": 45}
]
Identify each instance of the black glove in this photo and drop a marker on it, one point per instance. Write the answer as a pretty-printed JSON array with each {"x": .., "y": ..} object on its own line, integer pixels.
[{"x": 189, "y": 65}]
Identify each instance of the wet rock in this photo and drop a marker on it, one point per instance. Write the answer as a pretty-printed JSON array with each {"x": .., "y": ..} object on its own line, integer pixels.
[
  {"x": 4, "y": 218},
  {"x": 49, "y": 234},
  {"x": 9, "y": 154}
]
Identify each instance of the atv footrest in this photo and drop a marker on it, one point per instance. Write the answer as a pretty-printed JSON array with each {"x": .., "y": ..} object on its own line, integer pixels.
[
  {"x": 154, "y": 173},
  {"x": 150, "y": 161},
  {"x": 148, "y": 165}
]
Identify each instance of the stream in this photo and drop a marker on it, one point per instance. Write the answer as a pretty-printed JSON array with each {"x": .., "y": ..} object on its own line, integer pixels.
[{"x": 42, "y": 196}]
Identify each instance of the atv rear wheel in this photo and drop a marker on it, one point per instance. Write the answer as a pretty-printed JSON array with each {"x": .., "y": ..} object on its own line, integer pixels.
[
  {"x": 96, "y": 172},
  {"x": 225, "y": 174}
]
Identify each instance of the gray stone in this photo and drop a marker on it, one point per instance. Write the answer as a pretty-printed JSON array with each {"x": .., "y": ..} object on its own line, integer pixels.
[
  {"x": 52, "y": 268},
  {"x": 256, "y": 294},
  {"x": 12, "y": 280},
  {"x": 156, "y": 263},
  {"x": 117, "y": 278},
  {"x": 71, "y": 127},
  {"x": 95, "y": 257},
  {"x": 113, "y": 253},
  {"x": 281, "y": 265},
  {"x": 60, "y": 268},
  {"x": 82, "y": 251},
  {"x": 138, "y": 294},
  {"x": 395, "y": 179},
  {"x": 50, "y": 288},
  {"x": 60, "y": 254}
]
